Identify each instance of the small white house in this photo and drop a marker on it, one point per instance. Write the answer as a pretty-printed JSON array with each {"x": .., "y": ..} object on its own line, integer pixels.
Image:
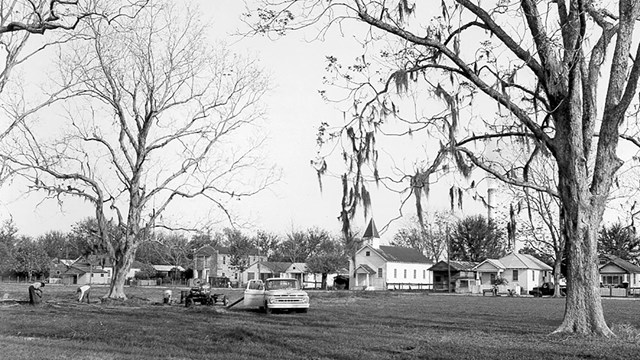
[
  {"x": 380, "y": 267},
  {"x": 270, "y": 269},
  {"x": 522, "y": 271},
  {"x": 617, "y": 272}
]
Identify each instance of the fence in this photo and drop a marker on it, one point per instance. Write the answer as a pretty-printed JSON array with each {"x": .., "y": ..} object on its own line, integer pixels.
[
  {"x": 409, "y": 286},
  {"x": 614, "y": 292}
]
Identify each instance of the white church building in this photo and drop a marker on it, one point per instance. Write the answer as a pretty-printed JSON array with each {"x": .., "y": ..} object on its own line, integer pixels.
[{"x": 380, "y": 267}]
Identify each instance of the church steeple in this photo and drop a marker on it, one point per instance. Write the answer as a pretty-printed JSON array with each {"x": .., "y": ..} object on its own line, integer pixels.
[{"x": 371, "y": 235}]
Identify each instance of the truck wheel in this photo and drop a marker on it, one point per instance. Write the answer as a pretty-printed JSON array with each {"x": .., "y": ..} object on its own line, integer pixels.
[
  {"x": 209, "y": 301},
  {"x": 188, "y": 302},
  {"x": 267, "y": 309}
]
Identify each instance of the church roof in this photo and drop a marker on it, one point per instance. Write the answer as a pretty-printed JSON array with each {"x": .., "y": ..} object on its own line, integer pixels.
[{"x": 402, "y": 254}]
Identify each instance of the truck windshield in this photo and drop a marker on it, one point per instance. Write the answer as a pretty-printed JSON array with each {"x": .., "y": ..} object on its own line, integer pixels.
[{"x": 282, "y": 284}]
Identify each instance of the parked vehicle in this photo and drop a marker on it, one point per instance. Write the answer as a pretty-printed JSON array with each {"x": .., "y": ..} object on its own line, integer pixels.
[
  {"x": 202, "y": 294},
  {"x": 276, "y": 294},
  {"x": 547, "y": 289}
]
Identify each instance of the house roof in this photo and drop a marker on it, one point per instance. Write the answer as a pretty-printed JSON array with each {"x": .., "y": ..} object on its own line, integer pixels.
[
  {"x": 276, "y": 266},
  {"x": 167, "y": 267},
  {"x": 621, "y": 263},
  {"x": 371, "y": 232},
  {"x": 514, "y": 261},
  {"x": 297, "y": 268},
  {"x": 137, "y": 264},
  {"x": 402, "y": 254},
  {"x": 488, "y": 263},
  {"x": 455, "y": 265},
  {"x": 366, "y": 269},
  {"x": 79, "y": 269},
  {"x": 523, "y": 261}
]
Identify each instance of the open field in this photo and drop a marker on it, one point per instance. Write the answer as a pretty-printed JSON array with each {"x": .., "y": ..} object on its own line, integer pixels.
[{"x": 339, "y": 325}]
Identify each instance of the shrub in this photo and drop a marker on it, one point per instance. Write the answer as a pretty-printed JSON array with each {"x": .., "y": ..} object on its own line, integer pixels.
[
  {"x": 146, "y": 272},
  {"x": 500, "y": 281}
]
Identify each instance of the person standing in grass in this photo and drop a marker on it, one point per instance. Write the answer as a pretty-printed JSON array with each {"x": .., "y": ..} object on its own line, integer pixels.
[
  {"x": 83, "y": 291},
  {"x": 35, "y": 292}
]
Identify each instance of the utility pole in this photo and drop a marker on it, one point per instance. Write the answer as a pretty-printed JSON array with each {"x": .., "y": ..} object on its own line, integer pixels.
[{"x": 448, "y": 260}]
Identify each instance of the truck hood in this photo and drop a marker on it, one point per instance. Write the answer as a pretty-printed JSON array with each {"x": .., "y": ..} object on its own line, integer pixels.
[{"x": 286, "y": 292}]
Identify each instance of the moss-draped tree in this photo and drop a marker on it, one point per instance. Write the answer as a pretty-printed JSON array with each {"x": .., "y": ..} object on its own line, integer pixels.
[{"x": 562, "y": 76}]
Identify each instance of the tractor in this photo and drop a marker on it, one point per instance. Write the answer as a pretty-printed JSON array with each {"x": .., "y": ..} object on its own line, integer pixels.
[{"x": 201, "y": 293}]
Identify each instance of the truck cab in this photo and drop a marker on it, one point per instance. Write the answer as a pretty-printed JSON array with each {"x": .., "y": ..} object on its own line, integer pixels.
[{"x": 276, "y": 294}]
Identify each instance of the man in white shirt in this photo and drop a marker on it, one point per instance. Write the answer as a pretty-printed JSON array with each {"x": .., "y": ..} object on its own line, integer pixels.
[{"x": 83, "y": 291}]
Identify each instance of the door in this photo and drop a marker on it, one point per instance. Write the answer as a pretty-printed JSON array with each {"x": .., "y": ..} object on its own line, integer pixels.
[{"x": 254, "y": 293}]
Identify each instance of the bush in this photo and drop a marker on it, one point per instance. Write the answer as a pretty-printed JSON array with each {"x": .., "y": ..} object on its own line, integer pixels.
[
  {"x": 146, "y": 272},
  {"x": 500, "y": 281}
]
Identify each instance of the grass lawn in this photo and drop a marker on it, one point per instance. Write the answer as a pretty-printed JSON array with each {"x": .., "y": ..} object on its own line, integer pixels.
[{"x": 339, "y": 325}]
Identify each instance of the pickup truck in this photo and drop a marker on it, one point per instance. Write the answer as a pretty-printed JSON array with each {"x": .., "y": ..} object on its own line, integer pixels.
[
  {"x": 276, "y": 294},
  {"x": 547, "y": 289}
]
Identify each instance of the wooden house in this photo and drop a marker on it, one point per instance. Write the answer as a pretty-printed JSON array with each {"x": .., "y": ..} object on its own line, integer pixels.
[
  {"x": 378, "y": 267},
  {"x": 522, "y": 272},
  {"x": 463, "y": 278},
  {"x": 618, "y": 273}
]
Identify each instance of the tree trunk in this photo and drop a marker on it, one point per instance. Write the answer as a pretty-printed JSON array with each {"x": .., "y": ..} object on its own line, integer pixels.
[
  {"x": 323, "y": 285},
  {"x": 121, "y": 268},
  {"x": 557, "y": 273},
  {"x": 583, "y": 213}
]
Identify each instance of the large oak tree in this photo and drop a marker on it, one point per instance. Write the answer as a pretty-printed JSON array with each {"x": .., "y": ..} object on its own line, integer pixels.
[{"x": 561, "y": 74}]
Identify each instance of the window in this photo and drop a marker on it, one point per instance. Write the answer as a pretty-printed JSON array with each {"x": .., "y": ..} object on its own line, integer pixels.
[
  {"x": 415, "y": 273},
  {"x": 533, "y": 276},
  {"x": 379, "y": 272},
  {"x": 515, "y": 275},
  {"x": 608, "y": 280},
  {"x": 101, "y": 275},
  {"x": 368, "y": 253},
  {"x": 493, "y": 278},
  {"x": 224, "y": 259},
  {"x": 235, "y": 276},
  {"x": 424, "y": 274},
  {"x": 395, "y": 273},
  {"x": 405, "y": 273}
]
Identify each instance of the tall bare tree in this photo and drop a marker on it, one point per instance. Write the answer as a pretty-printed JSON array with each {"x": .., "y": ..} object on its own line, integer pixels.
[
  {"x": 154, "y": 123},
  {"x": 541, "y": 63},
  {"x": 429, "y": 240},
  {"x": 28, "y": 28}
]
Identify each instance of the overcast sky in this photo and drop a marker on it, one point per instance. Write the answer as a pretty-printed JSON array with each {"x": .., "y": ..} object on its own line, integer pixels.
[{"x": 295, "y": 109}]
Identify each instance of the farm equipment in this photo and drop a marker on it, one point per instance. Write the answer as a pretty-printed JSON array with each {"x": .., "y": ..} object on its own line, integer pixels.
[
  {"x": 201, "y": 293},
  {"x": 547, "y": 289}
]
